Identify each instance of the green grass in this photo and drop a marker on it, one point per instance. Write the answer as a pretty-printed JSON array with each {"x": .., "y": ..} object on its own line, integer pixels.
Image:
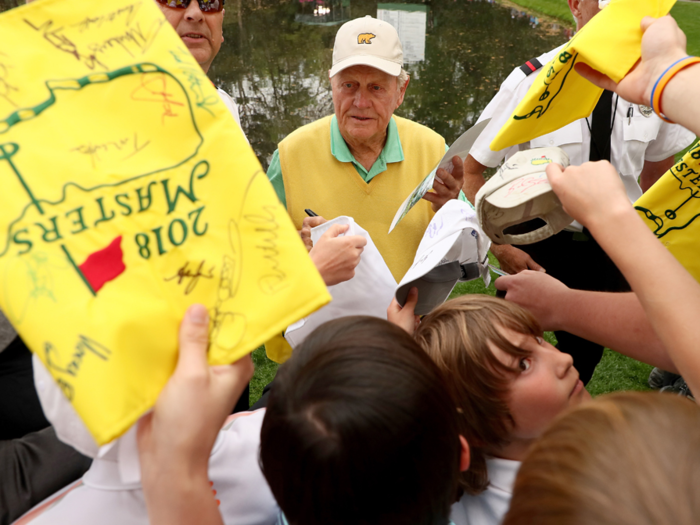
[
  {"x": 558, "y": 9},
  {"x": 687, "y": 14},
  {"x": 265, "y": 371},
  {"x": 617, "y": 372}
]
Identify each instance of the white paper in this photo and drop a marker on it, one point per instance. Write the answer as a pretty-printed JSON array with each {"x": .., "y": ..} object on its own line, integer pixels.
[
  {"x": 459, "y": 148},
  {"x": 368, "y": 293}
]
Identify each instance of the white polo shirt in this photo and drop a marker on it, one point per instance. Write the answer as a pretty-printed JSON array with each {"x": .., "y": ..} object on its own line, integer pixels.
[
  {"x": 491, "y": 506},
  {"x": 231, "y": 106},
  {"x": 234, "y": 472},
  {"x": 633, "y": 141}
]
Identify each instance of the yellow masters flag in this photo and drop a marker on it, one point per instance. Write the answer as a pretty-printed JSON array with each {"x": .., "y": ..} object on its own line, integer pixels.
[
  {"x": 129, "y": 193},
  {"x": 671, "y": 208},
  {"x": 610, "y": 43}
]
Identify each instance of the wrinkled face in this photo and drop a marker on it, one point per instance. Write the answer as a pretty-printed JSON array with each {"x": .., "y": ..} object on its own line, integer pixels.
[
  {"x": 201, "y": 32},
  {"x": 364, "y": 99},
  {"x": 547, "y": 384}
]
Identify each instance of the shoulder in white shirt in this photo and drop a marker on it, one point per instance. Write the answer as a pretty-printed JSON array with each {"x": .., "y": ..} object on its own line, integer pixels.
[
  {"x": 491, "y": 506},
  {"x": 104, "y": 499}
]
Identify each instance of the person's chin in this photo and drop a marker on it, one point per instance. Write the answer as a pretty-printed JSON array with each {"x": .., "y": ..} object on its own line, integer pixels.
[
  {"x": 200, "y": 51},
  {"x": 362, "y": 129}
]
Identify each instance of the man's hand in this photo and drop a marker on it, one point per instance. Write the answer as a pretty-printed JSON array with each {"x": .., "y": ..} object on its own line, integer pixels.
[
  {"x": 537, "y": 292},
  {"x": 513, "y": 260},
  {"x": 446, "y": 185},
  {"x": 404, "y": 317},
  {"x": 337, "y": 257},
  {"x": 662, "y": 44},
  {"x": 592, "y": 193},
  {"x": 305, "y": 232}
]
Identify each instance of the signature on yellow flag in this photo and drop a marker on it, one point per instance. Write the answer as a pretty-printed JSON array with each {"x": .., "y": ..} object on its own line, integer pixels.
[
  {"x": 671, "y": 209},
  {"x": 129, "y": 193},
  {"x": 610, "y": 43}
]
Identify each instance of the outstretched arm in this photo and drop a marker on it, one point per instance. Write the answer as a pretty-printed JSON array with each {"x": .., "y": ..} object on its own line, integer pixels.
[
  {"x": 598, "y": 201},
  {"x": 614, "y": 320},
  {"x": 594, "y": 195},
  {"x": 663, "y": 44}
]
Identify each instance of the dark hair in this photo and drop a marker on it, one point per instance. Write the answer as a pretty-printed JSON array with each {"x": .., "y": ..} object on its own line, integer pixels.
[
  {"x": 457, "y": 335},
  {"x": 360, "y": 430},
  {"x": 623, "y": 459}
]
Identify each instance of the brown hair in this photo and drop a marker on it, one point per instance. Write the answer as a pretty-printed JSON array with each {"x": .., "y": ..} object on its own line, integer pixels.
[
  {"x": 623, "y": 459},
  {"x": 359, "y": 429},
  {"x": 456, "y": 335}
]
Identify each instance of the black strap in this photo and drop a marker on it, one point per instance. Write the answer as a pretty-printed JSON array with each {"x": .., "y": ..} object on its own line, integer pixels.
[
  {"x": 530, "y": 66},
  {"x": 601, "y": 128},
  {"x": 469, "y": 271}
]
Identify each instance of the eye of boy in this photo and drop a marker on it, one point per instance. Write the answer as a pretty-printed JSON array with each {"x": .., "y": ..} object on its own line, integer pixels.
[{"x": 526, "y": 362}]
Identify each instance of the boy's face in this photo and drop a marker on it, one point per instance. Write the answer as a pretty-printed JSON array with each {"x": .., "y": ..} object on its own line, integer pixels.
[{"x": 547, "y": 385}]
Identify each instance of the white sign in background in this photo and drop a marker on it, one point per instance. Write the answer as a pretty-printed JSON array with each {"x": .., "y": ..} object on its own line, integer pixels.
[{"x": 411, "y": 28}]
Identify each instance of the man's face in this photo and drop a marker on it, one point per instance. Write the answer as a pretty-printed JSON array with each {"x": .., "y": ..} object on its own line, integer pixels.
[
  {"x": 583, "y": 11},
  {"x": 364, "y": 99},
  {"x": 202, "y": 33}
]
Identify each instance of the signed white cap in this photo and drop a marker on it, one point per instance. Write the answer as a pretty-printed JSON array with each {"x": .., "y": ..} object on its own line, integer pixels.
[
  {"x": 453, "y": 249},
  {"x": 517, "y": 205},
  {"x": 368, "y": 42}
]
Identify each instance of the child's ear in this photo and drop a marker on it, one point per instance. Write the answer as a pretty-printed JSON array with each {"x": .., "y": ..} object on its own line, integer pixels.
[{"x": 464, "y": 455}]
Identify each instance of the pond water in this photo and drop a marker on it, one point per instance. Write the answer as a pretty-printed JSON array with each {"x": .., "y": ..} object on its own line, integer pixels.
[
  {"x": 276, "y": 55},
  {"x": 275, "y": 60}
]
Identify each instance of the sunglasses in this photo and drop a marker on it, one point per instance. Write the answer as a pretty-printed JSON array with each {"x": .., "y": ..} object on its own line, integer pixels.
[{"x": 206, "y": 6}]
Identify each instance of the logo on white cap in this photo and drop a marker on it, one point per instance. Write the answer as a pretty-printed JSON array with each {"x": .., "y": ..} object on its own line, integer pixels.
[
  {"x": 365, "y": 38},
  {"x": 367, "y": 42}
]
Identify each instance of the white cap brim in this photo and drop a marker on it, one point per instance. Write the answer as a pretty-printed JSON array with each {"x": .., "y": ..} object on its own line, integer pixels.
[
  {"x": 435, "y": 290},
  {"x": 451, "y": 240},
  {"x": 389, "y": 67}
]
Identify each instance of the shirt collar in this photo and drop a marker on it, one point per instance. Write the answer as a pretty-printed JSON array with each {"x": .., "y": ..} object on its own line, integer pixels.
[{"x": 282, "y": 520}]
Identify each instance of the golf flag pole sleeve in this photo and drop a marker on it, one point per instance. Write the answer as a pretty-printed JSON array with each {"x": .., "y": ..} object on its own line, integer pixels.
[
  {"x": 610, "y": 43},
  {"x": 129, "y": 193}
]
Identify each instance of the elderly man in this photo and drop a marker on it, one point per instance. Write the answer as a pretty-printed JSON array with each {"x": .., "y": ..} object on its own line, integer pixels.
[
  {"x": 631, "y": 137},
  {"x": 363, "y": 161}
]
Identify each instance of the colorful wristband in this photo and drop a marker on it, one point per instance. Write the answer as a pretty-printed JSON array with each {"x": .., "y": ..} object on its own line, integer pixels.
[{"x": 664, "y": 79}]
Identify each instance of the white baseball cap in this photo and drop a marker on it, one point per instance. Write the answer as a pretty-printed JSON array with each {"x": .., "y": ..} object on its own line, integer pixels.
[
  {"x": 453, "y": 249},
  {"x": 367, "y": 42},
  {"x": 520, "y": 194}
]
